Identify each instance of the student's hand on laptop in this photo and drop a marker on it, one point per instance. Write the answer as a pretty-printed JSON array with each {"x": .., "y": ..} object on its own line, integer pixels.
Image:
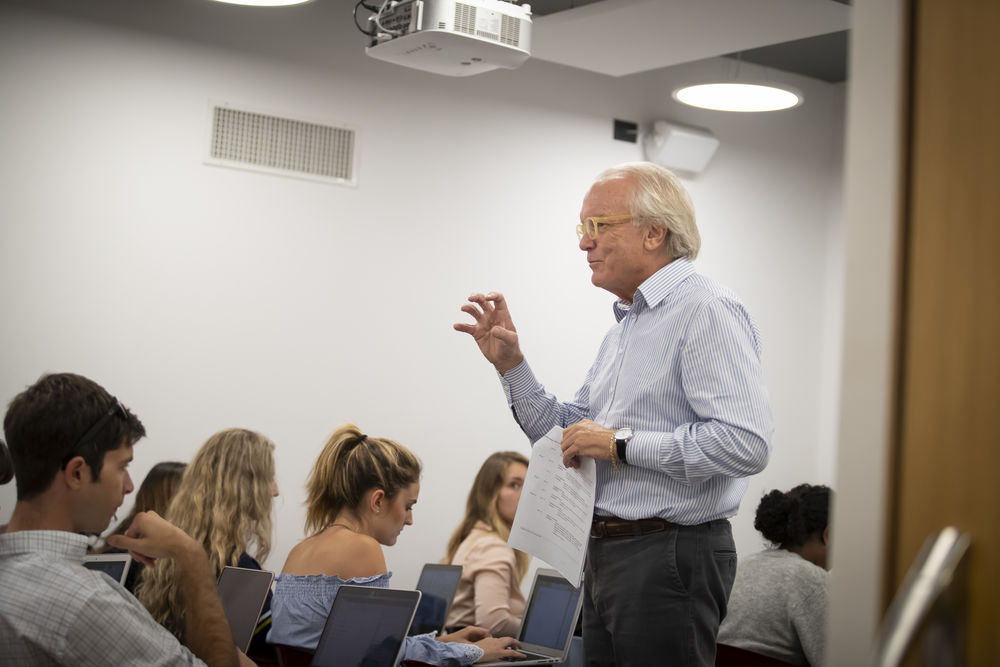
[
  {"x": 150, "y": 537},
  {"x": 499, "y": 648},
  {"x": 470, "y": 635}
]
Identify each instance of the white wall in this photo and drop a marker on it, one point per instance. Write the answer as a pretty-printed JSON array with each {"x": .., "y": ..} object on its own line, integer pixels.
[
  {"x": 207, "y": 298},
  {"x": 875, "y": 167}
]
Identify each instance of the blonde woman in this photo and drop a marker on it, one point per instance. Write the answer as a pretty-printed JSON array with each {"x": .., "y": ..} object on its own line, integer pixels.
[
  {"x": 224, "y": 503},
  {"x": 360, "y": 496},
  {"x": 489, "y": 592}
]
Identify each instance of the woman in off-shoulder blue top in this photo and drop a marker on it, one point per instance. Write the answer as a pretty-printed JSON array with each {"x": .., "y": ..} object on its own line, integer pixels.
[
  {"x": 302, "y": 603},
  {"x": 360, "y": 496}
]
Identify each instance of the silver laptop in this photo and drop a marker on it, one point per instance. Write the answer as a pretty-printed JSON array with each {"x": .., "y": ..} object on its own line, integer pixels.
[
  {"x": 437, "y": 586},
  {"x": 115, "y": 566},
  {"x": 243, "y": 592},
  {"x": 366, "y": 627},
  {"x": 549, "y": 621}
]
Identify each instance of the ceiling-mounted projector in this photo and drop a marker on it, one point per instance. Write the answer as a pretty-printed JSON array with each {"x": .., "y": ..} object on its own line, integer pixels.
[{"x": 452, "y": 37}]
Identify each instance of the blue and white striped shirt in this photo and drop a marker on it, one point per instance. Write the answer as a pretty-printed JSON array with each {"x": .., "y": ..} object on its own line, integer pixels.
[{"x": 682, "y": 369}]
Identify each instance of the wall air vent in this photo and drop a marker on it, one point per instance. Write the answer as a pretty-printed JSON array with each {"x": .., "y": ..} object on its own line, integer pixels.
[{"x": 284, "y": 146}]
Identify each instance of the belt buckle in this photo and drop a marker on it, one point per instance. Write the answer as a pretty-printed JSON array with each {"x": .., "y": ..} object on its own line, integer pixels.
[{"x": 599, "y": 529}]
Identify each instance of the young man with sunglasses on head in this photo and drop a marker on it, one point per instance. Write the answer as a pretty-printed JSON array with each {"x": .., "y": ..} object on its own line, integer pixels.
[
  {"x": 673, "y": 410},
  {"x": 71, "y": 444}
]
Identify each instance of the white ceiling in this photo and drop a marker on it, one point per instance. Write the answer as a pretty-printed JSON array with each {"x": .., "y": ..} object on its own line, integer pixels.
[
  {"x": 612, "y": 37},
  {"x": 620, "y": 37}
]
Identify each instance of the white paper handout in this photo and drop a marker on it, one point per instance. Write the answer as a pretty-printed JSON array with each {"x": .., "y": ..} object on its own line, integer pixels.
[{"x": 556, "y": 508}]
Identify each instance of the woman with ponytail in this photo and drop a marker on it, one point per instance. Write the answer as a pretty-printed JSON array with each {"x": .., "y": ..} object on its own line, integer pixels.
[
  {"x": 359, "y": 497},
  {"x": 777, "y": 607}
]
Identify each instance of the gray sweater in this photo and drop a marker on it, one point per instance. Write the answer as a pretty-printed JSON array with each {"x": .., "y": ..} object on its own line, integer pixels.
[{"x": 778, "y": 608}]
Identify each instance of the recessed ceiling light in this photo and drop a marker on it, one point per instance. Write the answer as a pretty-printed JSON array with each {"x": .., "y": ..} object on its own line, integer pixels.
[
  {"x": 265, "y": 3},
  {"x": 745, "y": 97}
]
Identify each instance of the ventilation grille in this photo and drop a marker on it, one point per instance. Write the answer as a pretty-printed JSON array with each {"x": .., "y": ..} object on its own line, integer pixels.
[
  {"x": 466, "y": 21},
  {"x": 274, "y": 144},
  {"x": 465, "y": 18},
  {"x": 510, "y": 30}
]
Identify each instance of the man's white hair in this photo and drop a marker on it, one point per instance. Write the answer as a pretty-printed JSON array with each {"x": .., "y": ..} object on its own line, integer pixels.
[{"x": 658, "y": 198}]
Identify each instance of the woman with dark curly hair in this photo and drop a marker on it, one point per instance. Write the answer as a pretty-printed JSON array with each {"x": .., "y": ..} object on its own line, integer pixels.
[{"x": 778, "y": 604}]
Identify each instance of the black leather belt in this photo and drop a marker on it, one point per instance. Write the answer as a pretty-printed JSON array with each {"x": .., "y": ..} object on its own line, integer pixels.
[{"x": 614, "y": 527}]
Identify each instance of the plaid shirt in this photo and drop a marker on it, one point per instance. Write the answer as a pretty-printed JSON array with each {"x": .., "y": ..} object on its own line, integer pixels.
[{"x": 54, "y": 611}]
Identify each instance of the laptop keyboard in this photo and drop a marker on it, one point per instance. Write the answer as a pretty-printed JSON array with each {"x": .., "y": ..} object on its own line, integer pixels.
[{"x": 528, "y": 656}]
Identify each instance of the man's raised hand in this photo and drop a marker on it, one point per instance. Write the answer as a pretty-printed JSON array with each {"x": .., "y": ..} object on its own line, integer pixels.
[{"x": 493, "y": 331}]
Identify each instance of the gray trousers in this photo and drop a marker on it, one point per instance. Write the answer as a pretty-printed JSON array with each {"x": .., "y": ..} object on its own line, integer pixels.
[{"x": 657, "y": 599}]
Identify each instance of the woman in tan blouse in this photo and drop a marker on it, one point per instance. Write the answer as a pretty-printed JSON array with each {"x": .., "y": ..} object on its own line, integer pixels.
[{"x": 489, "y": 592}]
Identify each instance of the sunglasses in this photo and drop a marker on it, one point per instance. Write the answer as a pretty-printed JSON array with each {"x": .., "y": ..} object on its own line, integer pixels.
[{"x": 116, "y": 409}]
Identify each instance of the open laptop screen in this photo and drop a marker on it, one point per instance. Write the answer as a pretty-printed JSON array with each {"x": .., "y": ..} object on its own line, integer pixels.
[
  {"x": 437, "y": 585},
  {"x": 366, "y": 627},
  {"x": 114, "y": 565},
  {"x": 551, "y": 614},
  {"x": 243, "y": 593}
]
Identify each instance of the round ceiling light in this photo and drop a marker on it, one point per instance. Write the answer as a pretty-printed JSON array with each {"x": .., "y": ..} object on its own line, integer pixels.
[{"x": 744, "y": 97}]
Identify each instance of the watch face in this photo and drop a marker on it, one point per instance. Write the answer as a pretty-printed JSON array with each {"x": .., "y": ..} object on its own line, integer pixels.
[{"x": 623, "y": 434}]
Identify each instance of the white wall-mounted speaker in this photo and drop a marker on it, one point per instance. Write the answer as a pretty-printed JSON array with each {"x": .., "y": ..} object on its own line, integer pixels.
[{"x": 679, "y": 147}]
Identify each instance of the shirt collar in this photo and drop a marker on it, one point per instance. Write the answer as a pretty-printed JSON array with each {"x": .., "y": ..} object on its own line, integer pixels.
[
  {"x": 657, "y": 287},
  {"x": 60, "y": 543}
]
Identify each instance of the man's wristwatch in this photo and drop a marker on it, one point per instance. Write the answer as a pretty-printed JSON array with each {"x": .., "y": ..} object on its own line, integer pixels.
[{"x": 622, "y": 438}]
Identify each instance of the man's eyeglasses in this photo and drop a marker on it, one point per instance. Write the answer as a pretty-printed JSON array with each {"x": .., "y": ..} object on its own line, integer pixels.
[
  {"x": 116, "y": 409},
  {"x": 591, "y": 226}
]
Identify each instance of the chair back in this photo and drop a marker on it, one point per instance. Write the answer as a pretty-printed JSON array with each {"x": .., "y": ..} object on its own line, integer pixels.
[
  {"x": 290, "y": 656},
  {"x": 732, "y": 656}
]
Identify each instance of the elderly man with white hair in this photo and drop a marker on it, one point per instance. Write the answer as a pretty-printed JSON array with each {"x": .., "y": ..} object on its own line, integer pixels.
[{"x": 673, "y": 410}]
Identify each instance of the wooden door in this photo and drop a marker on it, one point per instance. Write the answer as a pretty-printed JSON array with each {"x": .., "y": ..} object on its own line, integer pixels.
[{"x": 946, "y": 458}]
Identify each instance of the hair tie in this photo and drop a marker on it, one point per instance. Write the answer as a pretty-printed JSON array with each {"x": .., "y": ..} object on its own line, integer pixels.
[{"x": 351, "y": 445}]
